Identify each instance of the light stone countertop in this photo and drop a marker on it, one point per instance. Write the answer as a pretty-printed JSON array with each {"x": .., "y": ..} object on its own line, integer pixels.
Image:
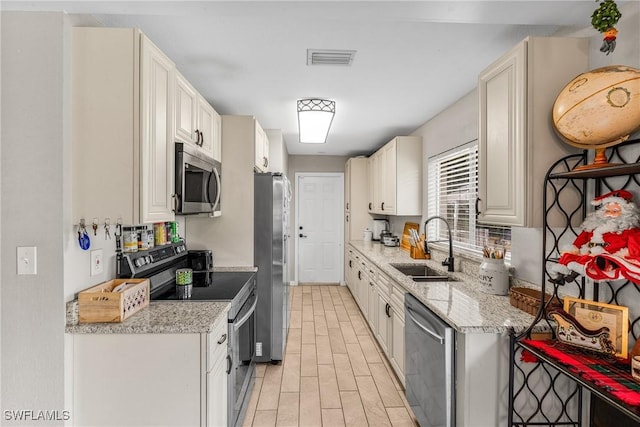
[
  {"x": 161, "y": 317},
  {"x": 462, "y": 304}
]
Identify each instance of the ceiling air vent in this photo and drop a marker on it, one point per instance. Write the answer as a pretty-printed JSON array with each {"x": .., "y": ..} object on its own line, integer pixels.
[{"x": 330, "y": 57}]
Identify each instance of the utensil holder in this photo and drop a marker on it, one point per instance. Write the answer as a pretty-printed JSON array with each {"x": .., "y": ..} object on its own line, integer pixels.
[{"x": 418, "y": 253}]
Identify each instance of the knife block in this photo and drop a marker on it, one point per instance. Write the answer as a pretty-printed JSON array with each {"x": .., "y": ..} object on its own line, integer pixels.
[{"x": 418, "y": 253}]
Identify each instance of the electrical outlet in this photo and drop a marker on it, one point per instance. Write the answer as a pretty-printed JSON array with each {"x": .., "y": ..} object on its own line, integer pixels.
[
  {"x": 27, "y": 260},
  {"x": 258, "y": 349},
  {"x": 96, "y": 262}
]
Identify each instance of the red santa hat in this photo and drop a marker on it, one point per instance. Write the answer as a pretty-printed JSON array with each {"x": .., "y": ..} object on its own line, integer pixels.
[{"x": 615, "y": 196}]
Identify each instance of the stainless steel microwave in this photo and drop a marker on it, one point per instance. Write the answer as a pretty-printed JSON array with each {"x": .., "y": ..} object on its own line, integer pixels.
[{"x": 198, "y": 181}]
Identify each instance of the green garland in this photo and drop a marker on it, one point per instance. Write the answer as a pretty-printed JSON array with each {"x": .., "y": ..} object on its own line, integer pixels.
[{"x": 605, "y": 16}]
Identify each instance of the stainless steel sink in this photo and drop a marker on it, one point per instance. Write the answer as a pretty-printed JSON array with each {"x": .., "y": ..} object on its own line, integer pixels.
[{"x": 421, "y": 273}]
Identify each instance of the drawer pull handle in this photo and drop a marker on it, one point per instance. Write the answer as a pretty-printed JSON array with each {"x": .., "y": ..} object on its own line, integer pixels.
[{"x": 222, "y": 339}]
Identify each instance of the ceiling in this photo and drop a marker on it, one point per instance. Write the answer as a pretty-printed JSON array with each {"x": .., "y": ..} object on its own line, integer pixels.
[{"x": 413, "y": 58}]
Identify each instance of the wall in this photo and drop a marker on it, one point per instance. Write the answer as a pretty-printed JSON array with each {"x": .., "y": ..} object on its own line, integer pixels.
[
  {"x": 35, "y": 140},
  {"x": 308, "y": 164}
]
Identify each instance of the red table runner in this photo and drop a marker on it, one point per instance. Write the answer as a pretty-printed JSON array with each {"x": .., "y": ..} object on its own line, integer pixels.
[{"x": 613, "y": 375}]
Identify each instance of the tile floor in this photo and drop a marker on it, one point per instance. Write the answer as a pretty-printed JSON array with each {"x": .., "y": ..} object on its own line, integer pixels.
[{"x": 333, "y": 374}]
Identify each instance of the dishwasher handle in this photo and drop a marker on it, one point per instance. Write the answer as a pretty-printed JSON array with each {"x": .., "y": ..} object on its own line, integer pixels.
[{"x": 424, "y": 328}]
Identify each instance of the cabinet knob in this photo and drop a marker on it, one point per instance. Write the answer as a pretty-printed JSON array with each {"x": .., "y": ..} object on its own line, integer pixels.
[
  {"x": 359, "y": 275},
  {"x": 370, "y": 206},
  {"x": 382, "y": 206}
]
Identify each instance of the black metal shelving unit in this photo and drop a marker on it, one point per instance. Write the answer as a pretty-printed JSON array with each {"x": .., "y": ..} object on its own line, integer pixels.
[{"x": 545, "y": 392}]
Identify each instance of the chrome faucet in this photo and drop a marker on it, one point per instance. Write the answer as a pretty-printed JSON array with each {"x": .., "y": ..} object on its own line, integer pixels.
[{"x": 449, "y": 261}]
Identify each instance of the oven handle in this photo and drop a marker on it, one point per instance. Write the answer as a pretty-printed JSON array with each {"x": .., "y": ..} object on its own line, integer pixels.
[{"x": 237, "y": 325}]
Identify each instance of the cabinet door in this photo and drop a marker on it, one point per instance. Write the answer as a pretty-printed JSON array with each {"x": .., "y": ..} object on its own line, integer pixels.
[
  {"x": 265, "y": 149},
  {"x": 372, "y": 312},
  {"x": 378, "y": 184},
  {"x": 217, "y": 136},
  {"x": 382, "y": 332},
  {"x": 363, "y": 291},
  {"x": 371, "y": 186},
  {"x": 186, "y": 111},
  {"x": 388, "y": 165},
  {"x": 502, "y": 140},
  {"x": 261, "y": 149},
  {"x": 397, "y": 342},
  {"x": 156, "y": 143},
  {"x": 217, "y": 380},
  {"x": 347, "y": 186},
  {"x": 206, "y": 126}
]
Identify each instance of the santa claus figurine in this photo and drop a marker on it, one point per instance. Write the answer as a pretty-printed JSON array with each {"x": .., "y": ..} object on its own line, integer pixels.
[{"x": 608, "y": 248}]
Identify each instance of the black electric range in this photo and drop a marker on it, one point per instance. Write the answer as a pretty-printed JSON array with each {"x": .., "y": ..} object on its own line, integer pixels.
[{"x": 159, "y": 265}]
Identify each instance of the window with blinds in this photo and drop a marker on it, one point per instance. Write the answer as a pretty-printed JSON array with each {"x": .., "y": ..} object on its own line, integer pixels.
[{"x": 452, "y": 189}]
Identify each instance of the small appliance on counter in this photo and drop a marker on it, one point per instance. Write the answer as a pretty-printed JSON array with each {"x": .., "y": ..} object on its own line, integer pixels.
[
  {"x": 377, "y": 227},
  {"x": 390, "y": 240}
]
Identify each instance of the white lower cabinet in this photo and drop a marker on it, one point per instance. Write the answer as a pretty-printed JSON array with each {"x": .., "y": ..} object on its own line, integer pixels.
[
  {"x": 382, "y": 333},
  {"x": 150, "y": 379},
  {"x": 396, "y": 350}
]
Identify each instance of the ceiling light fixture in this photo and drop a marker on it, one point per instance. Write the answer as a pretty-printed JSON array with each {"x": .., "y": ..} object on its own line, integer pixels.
[{"x": 314, "y": 119}]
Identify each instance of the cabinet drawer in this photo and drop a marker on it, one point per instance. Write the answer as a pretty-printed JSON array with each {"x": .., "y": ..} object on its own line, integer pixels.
[
  {"x": 397, "y": 299},
  {"x": 218, "y": 342},
  {"x": 384, "y": 284}
]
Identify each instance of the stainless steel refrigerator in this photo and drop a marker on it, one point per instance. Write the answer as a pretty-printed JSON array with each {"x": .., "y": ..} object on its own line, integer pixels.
[{"x": 271, "y": 225}]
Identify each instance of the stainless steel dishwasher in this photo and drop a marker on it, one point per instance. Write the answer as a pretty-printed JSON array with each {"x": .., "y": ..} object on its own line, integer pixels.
[{"x": 429, "y": 365}]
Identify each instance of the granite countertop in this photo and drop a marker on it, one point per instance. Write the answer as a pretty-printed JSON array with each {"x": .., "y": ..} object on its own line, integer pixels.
[
  {"x": 160, "y": 317},
  {"x": 461, "y": 304}
]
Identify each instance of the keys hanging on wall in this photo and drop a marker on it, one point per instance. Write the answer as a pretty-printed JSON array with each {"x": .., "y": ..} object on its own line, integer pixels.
[
  {"x": 107, "y": 232},
  {"x": 94, "y": 225},
  {"x": 83, "y": 237}
]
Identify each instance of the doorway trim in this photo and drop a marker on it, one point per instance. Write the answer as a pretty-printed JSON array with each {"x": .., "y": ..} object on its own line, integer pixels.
[{"x": 299, "y": 175}]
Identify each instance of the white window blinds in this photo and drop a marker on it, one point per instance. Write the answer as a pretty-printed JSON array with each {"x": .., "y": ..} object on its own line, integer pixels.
[{"x": 452, "y": 189}]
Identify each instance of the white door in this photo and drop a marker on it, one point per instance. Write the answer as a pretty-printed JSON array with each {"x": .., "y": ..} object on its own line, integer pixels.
[{"x": 319, "y": 231}]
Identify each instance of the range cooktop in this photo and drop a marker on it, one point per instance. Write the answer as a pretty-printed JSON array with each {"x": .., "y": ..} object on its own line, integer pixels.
[{"x": 224, "y": 286}]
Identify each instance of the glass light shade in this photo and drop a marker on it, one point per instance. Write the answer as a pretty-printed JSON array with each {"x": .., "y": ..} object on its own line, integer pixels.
[{"x": 314, "y": 120}]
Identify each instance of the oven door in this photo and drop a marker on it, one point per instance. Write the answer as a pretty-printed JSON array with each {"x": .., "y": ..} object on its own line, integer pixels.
[
  {"x": 197, "y": 181},
  {"x": 242, "y": 331}
]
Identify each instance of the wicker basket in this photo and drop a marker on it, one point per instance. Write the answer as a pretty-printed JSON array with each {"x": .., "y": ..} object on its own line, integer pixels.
[{"x": 528, "y": 299}]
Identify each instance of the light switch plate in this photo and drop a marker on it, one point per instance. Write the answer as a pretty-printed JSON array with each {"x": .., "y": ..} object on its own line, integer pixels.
[
  {"x": 27, "y": 260},
  {"x": 96, "y": 262}
]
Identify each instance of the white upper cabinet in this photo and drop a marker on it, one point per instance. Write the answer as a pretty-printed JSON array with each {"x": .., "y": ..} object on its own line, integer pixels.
[
  {"x": 261, "y": 149},
  {"x": 156, "y": 142},
  {"x": 355, "y": 193},
  {"x": 186, "y": 111},
  {"x": 209, "y": 126},
  {"x": 122, "y": 127},
  {"x": 196, "y": 121},
  {"x": 517, "y": 143},
  {"x": 395, "y": 176}
]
